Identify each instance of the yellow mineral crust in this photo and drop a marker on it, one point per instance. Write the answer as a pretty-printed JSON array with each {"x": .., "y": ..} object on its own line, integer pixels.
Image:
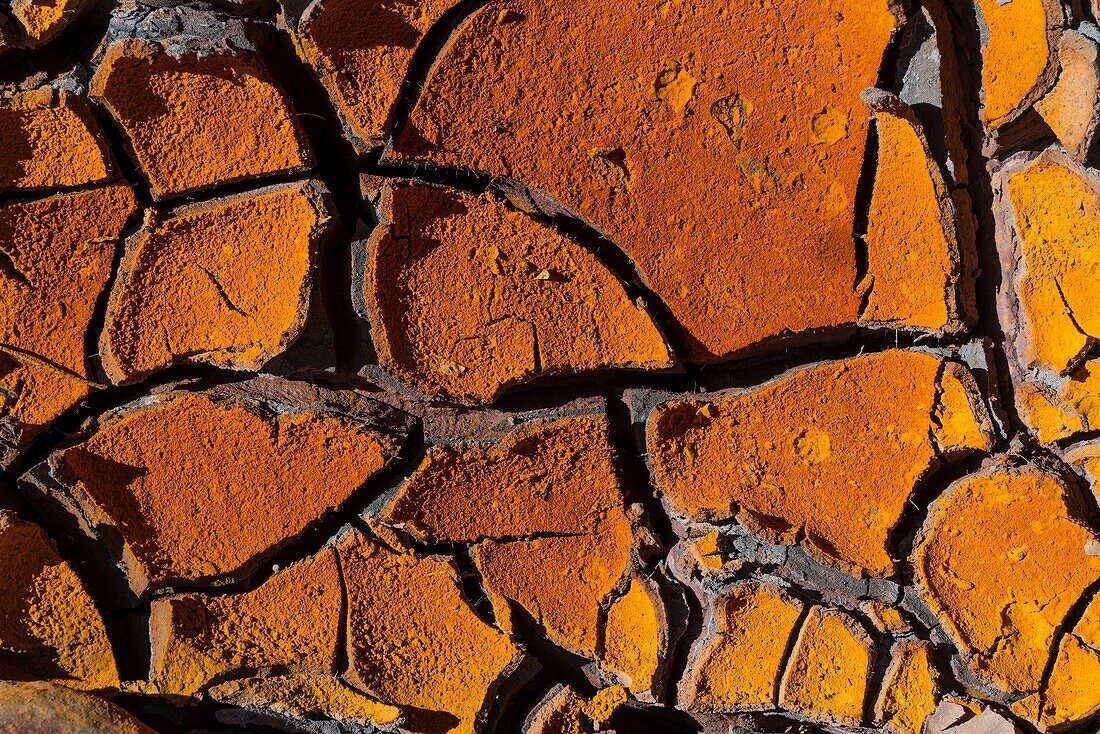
[
  {"x": 1018, "y": 54},
  {"x": 1001, "y": 560},
  {"x": 56, "y": 257},
  {"x": 1048, "y": 416},
  {"x": 289, "y": 621},
  {"x": 738, "y": 668},
  {"x": 49, "y": 626},
  {"x": 415, "y": 642},
  {"x": 52, "y": 141},
  {"x": 634, "y": 635},
  {"x": 1057, "y": 206},
  {"x": 827, "y": 677},
  {"x": 43, "y": 20},
  {"x": 468, "y": 296},
  {"x": 1073, "y": 694},
  {"x": 827, "y": 455},
  {"x": 545, "y": 495},
  {"x": 1072, "y": 107},
  {"x": 910, "y": 693},
  {"x": 912, "y": 242}
]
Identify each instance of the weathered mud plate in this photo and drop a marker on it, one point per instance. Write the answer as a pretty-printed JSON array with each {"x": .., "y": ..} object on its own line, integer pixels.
[{"x": 265, "y": 460}]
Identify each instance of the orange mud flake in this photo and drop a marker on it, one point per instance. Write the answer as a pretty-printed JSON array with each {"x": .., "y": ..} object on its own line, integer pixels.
[
  {"x": 885, "y": 618},
  {"x": 1072, "y": 694},
  {"x": 226, "y": 282},
  {"x": 55, "y": 261},
  {"x": 1085, "y": 459},
  {"x": 546, "y": 494},
  {"x": 1000, "y": 560},
  {"x": 827, "y": 456},
  {"x": 912, "y": 241},
  {"x": 414, "y": 640},
  {"x": 258, "y": 474},
  {"x": 51, "y": 141},
  {"x": 564, "y": 711},
  {"x": 634, "y": 637},
  {"x": 1072, "y": 107},
  {"x": 298, "y": 698},
  {"x": 1057, "y": 235},
  {"x": 737, "y": 666},
  {"x": 1049, "y": 416},
  {"x": 362, "y": 53},
  {"x": 827, "y": 677},
  {"x": 550, "y": 477},
  {"x": 718, "y": 146},
  {"x": 467, "y": 296},
  {"x": 49, "y": 626},
  {"x": 196, "y": 120},
  {"x": 44, "y": 20},
  {"x": 290, "y": 621},
  {"x": 48, "y": 708},
  {"x": 1019, "y": 56},
  {"x": 543, "y": 578},
  {"x": 910, "y": 693}
]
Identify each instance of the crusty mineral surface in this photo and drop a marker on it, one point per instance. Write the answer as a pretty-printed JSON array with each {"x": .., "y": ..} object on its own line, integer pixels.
[{"x": 506, "y": 366}]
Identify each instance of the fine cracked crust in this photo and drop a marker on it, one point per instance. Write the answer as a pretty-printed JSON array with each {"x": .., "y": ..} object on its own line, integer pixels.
[
  {"x": 294, "y": 453},
  {"x": 467, "y": 297},
  {"x": 225, "y": 282},
  {"x": 692, "y": 97}
]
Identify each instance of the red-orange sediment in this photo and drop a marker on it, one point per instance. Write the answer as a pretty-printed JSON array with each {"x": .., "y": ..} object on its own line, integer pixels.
[
  {"x": 467, "y": 296},
  {"x": 702, "y": 109},
  {"x": 226, "y": 282},
  {"x": 827, "y": 456},
  {"x": 196, "y": 120},
  {"x": 257, "y": 476},
  {"x": 484, "y": 494}
]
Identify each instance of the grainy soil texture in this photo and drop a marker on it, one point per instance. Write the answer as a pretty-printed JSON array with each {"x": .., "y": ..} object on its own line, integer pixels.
[{"x": 549, "y": 367}]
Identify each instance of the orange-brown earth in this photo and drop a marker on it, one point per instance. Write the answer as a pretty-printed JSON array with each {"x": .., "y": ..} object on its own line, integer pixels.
[
  {"x": 702, "y": 108},
  {"x": 256, "y": 477},
  {"x": 198, "y": 120},
  {"x": 467, "y": 297},
  {"x": 557, "y": 368},
  {"x": 56, "y": 258},
  {"x": 226, "y": 283}
]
